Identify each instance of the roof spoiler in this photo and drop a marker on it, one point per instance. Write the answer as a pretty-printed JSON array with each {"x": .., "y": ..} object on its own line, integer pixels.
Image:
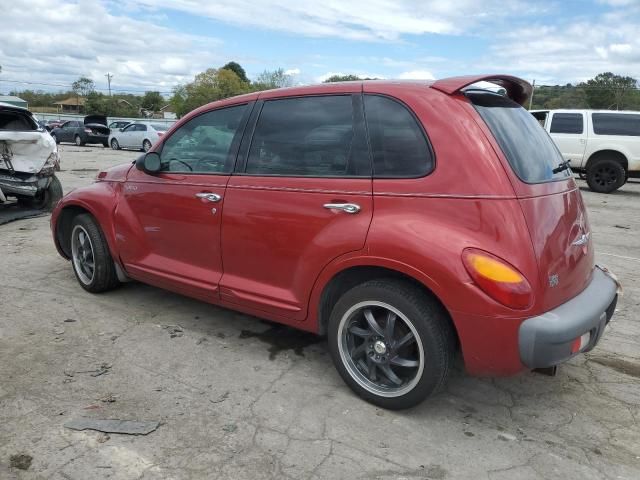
[{"x": 518, "y": 90}]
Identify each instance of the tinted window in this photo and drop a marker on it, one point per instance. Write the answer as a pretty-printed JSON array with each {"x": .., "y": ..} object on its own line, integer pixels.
[
  {"x": 309, "y": 136},
  {"x": 616, "y": 124},
  {"x": 528, "y": 148},
  {"x": 204, "y": 144},
  {"x": 141, "y": 128},
  {"x": 566, "y": 123},
  {"x": 398, "y": 144}
]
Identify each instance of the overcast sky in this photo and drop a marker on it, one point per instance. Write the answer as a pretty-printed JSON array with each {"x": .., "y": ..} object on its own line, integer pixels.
[{"x": 156, "y": 44}]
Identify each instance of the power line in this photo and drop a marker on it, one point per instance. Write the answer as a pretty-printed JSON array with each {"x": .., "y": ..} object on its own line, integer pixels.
[{"x": 66, "y": 85}]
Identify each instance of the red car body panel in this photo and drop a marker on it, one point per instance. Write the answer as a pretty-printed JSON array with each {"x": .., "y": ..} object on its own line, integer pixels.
[{"x": 270, "y": 248}]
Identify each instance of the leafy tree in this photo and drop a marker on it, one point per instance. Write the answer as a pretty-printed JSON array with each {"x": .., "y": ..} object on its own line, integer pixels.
[
  {"x": 238, "y": 70},
  {"x": 607, "y": 91},
  {"x": 272, "y": 79},
  {"x": 343, "y": 78},
  {"x": 83, "y": 86},
  {"x": 152, "y": 101}
]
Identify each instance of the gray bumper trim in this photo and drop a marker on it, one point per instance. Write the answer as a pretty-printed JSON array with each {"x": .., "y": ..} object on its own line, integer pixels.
[{"x": 546, "y": 340}]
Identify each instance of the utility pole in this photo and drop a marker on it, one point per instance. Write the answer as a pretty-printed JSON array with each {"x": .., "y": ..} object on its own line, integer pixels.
[
  {"x": 533, "y": 89},
  {"x": 109, "y": 77}
]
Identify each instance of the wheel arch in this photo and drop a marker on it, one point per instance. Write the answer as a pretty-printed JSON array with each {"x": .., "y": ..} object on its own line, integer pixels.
[
  {"x": 349, "y": 275},
  {"x": 610, "y": 154}
]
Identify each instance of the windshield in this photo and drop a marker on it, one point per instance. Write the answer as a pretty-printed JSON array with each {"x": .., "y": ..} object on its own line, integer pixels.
[{"x": 527, "y": 146}]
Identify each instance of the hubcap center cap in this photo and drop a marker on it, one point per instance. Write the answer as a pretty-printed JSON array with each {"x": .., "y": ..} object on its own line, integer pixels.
[{"x": 379, "y": 347}]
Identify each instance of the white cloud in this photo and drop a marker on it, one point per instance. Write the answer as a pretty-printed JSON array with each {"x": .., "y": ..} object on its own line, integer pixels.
[
  {"x": 57, "y": 43},
  {"x": 416, "y": 75},
  {"x": 292, "y": 71}
]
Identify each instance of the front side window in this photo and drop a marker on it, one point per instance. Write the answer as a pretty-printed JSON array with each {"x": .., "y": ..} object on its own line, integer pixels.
[
  {"x": 307, "y": 136},
  {"x": 567, "y": 123},
  {"x": 204, "y": 143},
  {"x": 130, "y": 128},
  {"x": 616, "y": 124},
  {"x": 528, "y": 148},
  {"x": 398, "y": 144}
]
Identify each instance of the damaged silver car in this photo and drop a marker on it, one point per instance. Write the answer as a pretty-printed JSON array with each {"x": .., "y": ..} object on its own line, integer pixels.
[{"x": 28, "y": 160}]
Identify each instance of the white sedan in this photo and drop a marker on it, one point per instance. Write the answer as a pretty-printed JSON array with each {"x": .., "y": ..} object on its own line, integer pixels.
[{"x": 136, "y": 135}]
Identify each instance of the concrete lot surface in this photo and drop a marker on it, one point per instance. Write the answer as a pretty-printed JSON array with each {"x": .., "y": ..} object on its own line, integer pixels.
[{"x": 238, "y": 398}]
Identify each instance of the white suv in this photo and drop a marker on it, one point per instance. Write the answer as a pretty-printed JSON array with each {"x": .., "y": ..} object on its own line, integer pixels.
[{"x": 602, "y": 144}]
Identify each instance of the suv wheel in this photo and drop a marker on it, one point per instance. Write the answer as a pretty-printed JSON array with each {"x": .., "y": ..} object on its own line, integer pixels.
[
  {"x": 92, "y": 262},
  {"x": 391, "y": 343},
  {"x": 605, "y": 176}
]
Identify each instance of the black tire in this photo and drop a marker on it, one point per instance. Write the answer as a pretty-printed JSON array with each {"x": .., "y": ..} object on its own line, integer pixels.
[
  {"x": 146, "y": 145},
  {"x": 605, "y": 176},
  {"x": 435, "y": 342},
  {"x": 114, "y": 144},
  {"x": 45, "y": 200},
  {"x": 104, "y": 275},
  {"x": 55, "y": 138},
  {"x": 78, "y": 141}
]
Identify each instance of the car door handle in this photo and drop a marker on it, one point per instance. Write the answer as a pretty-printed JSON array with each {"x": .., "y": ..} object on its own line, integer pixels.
[
  {"x": 210, "y": 197},
  {"x": 345, "y": 207}
]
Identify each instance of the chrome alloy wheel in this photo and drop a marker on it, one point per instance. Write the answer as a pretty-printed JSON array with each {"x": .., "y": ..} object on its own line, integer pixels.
[
  {"x": 380, "y": 348},
  {"x": 82, "y": 254}
]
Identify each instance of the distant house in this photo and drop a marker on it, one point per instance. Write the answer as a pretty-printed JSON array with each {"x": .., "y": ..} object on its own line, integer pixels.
[
  {"x": 167, "y": 113},
  {"x": 70, "y": 105},
  {"x": 13, "y": 100}
]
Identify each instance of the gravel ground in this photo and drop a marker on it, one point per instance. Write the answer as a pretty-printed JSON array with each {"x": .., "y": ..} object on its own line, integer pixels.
[{"x": 239, "y": 398}]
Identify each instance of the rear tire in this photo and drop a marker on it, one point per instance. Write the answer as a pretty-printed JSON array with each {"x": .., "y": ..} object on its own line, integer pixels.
[
  {"x": 605, "y": 176},
  {"x": 45, "y": 200},
  {"x": 78, "y": 141},
  {"x": 146, "y": 146},
  {"x": 396, "y": 368},
  {"x": 90, "y": 257}
]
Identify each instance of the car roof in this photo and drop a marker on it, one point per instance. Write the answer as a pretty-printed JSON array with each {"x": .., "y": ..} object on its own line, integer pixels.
[{"x": 9, "y": 106}]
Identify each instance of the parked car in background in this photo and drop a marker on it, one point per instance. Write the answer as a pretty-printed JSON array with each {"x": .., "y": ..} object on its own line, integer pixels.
[
  {"x": 137, "y": 135},
  {"x": 28, "y": 160},
  {"x": 51, "y": 124},
  {"x": 361, "y": 210},
  {"x": 603, "y": 145},
  {"x": 118, "y": 124},
  {"x": 93, "y": 129}
]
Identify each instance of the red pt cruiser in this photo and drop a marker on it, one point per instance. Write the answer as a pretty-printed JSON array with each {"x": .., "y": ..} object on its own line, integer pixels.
[{"x": 405, "y": 221}]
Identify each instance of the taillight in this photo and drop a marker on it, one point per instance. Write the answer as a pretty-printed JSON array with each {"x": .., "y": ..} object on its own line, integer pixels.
[
  {"x": 87, "y": 130},
  {"x": 498, "y": 279},
  {"x": 160, "y": 134}
]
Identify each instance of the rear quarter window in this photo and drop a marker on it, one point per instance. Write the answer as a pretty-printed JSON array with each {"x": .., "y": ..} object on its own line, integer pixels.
[
  {"x": 528, "y": 148},
  {"x": 567, "y": 123},
  {"x": 616, "y": 124}
]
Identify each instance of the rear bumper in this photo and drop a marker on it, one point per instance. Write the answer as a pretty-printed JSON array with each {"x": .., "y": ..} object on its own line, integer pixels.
[
  {"x": 93, "y": 138},
  {"x": 554, "y": 337}
]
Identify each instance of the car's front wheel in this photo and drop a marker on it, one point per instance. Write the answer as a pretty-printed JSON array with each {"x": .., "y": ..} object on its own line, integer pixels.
[
  {"x": 391, "y": 342},
  {"x": 90, "y": 257}
]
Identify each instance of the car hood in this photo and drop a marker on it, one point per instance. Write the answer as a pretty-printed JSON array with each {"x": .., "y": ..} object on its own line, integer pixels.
[{"x": 95, "y": 120}]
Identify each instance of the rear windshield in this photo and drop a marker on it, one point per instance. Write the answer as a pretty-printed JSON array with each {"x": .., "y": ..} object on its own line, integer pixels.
[
  {"x": 527, "y": 146},
  {"x": 16, "y": 121}
]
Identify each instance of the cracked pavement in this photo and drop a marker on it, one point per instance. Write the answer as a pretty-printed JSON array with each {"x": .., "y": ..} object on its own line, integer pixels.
[{"x": 239, "y": 398}]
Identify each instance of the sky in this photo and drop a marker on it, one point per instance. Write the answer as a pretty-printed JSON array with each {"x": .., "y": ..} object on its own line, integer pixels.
[{"x": 157, "y": 44}]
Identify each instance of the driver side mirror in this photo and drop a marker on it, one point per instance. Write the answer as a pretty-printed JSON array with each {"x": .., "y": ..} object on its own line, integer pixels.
[{"x": 149, "y": 162}]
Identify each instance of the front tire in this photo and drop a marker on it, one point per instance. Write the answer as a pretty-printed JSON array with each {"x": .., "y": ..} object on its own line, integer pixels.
[
  {"x": 391, "y": 343},
  {"x": 114, "y": 144},
  {"x": 605, "y": 176},
  {"x": 90, "y": 257}
]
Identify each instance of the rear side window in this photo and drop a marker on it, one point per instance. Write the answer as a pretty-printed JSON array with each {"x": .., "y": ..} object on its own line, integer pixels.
[
  {"x": 398, "y": 144},
  {"x": 308, "y": 136},
  {"x": 616, "y": 124},
  {"x": 530, "y": 151},
  {"x": 567, "y": 123}
]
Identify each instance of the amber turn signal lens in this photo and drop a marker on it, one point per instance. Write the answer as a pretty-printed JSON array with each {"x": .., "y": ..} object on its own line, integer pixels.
[{"x": 498, "y": 279}]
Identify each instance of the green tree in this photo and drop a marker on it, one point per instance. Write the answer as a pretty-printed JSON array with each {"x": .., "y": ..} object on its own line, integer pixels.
[
  {"x": 152, "y": 101},
  {"x": 83, "y": 86},
  {"x": 609, "y": 91},
  {"x": 238, "y": 70},
  {"x": 343, "y": 78},
  {"x": 270, "y": 79}
]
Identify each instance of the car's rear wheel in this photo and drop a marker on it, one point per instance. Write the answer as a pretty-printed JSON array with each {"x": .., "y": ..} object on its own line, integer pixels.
[
  {"x": 146, "y": 145},
  {"x": 78, "y": 141},
  {"x": 114, "y": 144},
  {"x": 90, "y": 257},
  {"x": 605, "y": 175},
  {"x": 45, "y": 200},
  {"x": 391, "y": 343}
]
